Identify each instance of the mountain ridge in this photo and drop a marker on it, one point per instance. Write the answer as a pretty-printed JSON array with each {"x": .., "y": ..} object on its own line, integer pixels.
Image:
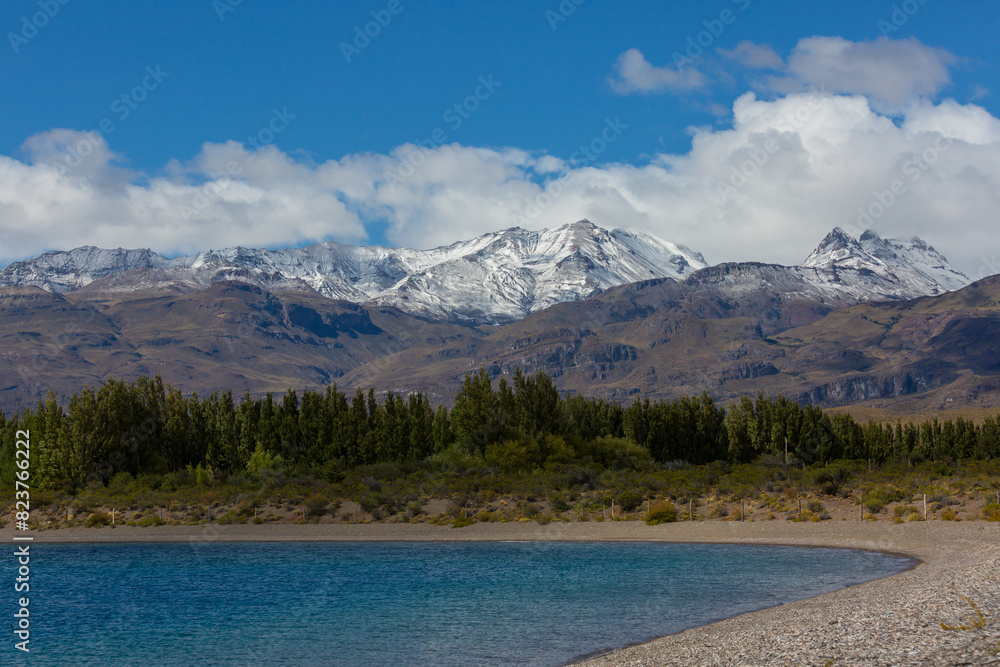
[{"x": 496, "y": 278}]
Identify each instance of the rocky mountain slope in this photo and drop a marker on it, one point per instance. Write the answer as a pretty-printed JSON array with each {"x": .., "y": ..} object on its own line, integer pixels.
[
  {"x": 664, "y": 339},
  {"x": 841, "y": 328},
  {"x": 493, "y": 279},
  {"x": 498, "y": 277}
]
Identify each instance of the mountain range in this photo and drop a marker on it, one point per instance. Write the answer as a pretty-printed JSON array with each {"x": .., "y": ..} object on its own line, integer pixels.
[
  {"x": 612, "y": 313},
  {"x": 496, "y": 278}
]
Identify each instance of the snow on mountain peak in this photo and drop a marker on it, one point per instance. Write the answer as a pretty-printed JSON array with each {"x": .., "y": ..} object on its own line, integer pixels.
[
  {"x": 913, "y": 266},
  {"x": 497, "y": 277},
  {"x": 494, "y": 278},
  {"x": 838, "y": 248}
]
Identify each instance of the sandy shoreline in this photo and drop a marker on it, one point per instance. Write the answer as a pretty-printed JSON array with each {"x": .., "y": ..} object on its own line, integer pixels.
[{"x": 893, "y": 621}]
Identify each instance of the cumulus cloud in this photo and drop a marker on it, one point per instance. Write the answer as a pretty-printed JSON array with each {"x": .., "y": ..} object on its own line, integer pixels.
[
  {"x": 890, "y": 73},
  {"x": 635, "y": 74},
  {"x": 72, "y": 192},
  {"x": 767, "y": 188}
]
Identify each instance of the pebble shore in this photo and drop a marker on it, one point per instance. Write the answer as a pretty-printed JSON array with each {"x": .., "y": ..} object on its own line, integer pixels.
[{"x": 895, "y": 621}]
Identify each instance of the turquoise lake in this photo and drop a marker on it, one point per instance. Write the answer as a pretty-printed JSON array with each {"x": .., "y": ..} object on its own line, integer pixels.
[{"x": 509, "y": 603}]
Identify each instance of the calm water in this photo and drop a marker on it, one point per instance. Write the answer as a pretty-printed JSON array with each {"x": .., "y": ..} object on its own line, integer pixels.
[{"x": 401, "y": 603}]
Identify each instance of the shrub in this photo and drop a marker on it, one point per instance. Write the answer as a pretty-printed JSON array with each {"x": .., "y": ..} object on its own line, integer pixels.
[
  {"x": 151, "y": 520},
  {"x": 620, "y": 454},
  {"x": 119, "y": 483},
  {"x": 873, "y": 506},
  {"x": 992, "y": 512},
  {"x": 203, "y": 476},
  {"x": 262, "y": 460},
  {"x": 719, "y": 510},
  {"x": 629, "y": 501},
  {"x": 98, "y": 518},
  {"x": 559, "y": 503},
  {"x": 815, "y": 506},
  {"x": 333, "y": 471},
  {"x": 521, "y": 454},
  {"x": 662, "y": 512},
  {"x": 462, "y": 522},
  {"x": 316, "y": 506}
]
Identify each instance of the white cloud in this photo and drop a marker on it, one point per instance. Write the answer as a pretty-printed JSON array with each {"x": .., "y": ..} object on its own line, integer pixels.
[
  {"x": 635, "y": 74},
  {"x": 966, "y": 122},
  {"x": 756, "y": 56},
  {"x": 766, "y": 189},
  {"x": 890, "y": 73},
  {"x": 71, "y": 193}
]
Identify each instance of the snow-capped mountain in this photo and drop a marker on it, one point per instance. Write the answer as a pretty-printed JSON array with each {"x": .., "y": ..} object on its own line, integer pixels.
[
  {"x": 872, "y": 268},
  {"x": 497, "y": 277}
]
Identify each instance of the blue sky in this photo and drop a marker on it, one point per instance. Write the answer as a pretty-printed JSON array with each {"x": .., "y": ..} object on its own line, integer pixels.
[{"x": 203, "y": 72}]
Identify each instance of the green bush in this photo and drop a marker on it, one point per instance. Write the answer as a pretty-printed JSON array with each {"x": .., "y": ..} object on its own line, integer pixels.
[
  {"x": 629, "y": 501},
  {"x": 119, "y": 484},
  {"x": 619, "y": 454},
  {"x": 559, "y": 503},
  {"x": 98, "y": 518},
  {"x": 520, "y": 454},
  {"x": 316, "y": 506},
  {"x": 662, "y": 512},
  {"x": 992, "y": 512},
  {"x": 262, "y": 460}
]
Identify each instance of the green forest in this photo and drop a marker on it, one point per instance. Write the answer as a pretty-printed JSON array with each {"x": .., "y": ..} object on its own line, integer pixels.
[{"x": 149, "y": 428}]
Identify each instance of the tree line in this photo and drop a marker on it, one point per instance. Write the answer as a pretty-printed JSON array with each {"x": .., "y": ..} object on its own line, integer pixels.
[{"x": 147, "y": 427}]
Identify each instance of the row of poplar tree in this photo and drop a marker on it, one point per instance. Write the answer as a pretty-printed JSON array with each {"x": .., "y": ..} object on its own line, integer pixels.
[{"x": 149, "y": 427}]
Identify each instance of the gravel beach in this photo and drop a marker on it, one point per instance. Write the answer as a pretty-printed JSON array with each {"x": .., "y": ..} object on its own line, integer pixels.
[{"x": 892, "y": 621}]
